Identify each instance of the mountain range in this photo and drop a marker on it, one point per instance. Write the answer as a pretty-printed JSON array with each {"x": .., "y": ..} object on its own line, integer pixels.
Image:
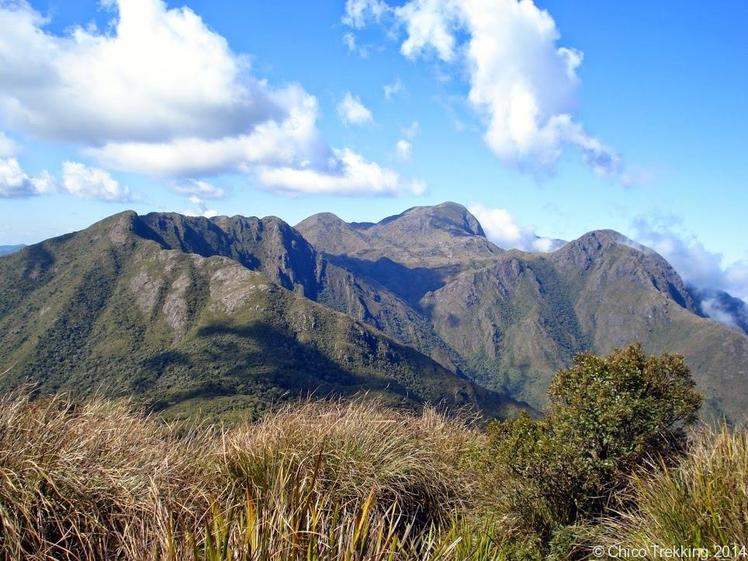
[
  {"x": 230, "y": 314},
  {"x": 7, "y": 249}
]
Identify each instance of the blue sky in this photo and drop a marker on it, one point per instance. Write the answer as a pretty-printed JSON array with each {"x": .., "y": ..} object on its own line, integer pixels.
[{"x": 641, "y": 121}]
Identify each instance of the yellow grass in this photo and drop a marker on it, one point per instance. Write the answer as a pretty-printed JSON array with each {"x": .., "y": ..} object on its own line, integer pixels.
[{"x": 318, "y": 481}]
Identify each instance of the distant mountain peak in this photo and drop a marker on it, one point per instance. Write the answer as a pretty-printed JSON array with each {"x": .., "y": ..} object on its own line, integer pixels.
[
  {"x": 441, "y": 235},
  {"x": 605, "y": 238},
  {"x": 623, "y": 258},
  {"x": 448, "y": 216},
  {"x": 8, "y": 249}
]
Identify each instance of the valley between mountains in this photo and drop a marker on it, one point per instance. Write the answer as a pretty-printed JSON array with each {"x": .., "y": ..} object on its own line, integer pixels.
[{"x": 225, "y": 317}]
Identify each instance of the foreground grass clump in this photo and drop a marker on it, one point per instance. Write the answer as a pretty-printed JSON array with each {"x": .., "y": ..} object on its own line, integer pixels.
[
  {"x": 612, "y": 463},
  {"x": 701, "y": 502},
  {"x": 320, "y": 481},
  {"x": 92, "y": 481},
  {"x": 347, "y": 481},
  {"x": 415, "y": 464}
]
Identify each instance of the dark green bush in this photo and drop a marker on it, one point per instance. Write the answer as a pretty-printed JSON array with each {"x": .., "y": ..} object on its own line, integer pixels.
[{"x": 607, "y": 416}]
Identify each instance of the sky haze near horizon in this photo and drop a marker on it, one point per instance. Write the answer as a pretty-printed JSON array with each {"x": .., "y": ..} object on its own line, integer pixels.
[{"x": 548, "y": 118}]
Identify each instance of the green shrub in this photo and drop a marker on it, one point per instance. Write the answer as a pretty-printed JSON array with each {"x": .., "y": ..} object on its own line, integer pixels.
[{"x": 607, "y": 416}]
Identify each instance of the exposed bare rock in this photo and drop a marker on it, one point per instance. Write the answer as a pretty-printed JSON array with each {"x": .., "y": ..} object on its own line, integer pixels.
[
  {"x": 233, "y": 285},
  {"x": 175, "y": 304}
]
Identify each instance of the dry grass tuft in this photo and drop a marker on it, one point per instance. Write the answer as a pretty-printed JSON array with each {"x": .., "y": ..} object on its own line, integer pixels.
[
  {"x": 319, "y": 482},
  {"x": 702, "y": 502},
  {"x": 91, "y": 480},
  {"x": 348, "y": 451}
]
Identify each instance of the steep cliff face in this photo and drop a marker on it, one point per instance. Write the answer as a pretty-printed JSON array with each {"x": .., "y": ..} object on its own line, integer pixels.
[{"x": 271, "y": 246}]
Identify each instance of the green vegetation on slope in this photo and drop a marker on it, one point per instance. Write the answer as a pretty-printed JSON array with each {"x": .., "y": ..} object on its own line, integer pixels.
[
  {"x": 110, "y": 310},
  {"x": 513, "y": 318},
  {"x": 700, "y": 503}
]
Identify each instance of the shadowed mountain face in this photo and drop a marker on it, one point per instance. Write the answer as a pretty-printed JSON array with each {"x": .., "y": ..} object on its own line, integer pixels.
[
  {"x": 722, "y": 307},
  {"x": 514, "y": 318},
  {"x": 189, "y": 313},
  {"x": 271, "y": 246},
  {"x": 234, "y": 313}
]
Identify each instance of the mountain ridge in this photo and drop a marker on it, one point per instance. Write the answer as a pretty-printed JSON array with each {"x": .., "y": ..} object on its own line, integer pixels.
[
  {"x": 516, "y": 317},
  {"x": 427, "y": 280},
  {"x": 436, "y": 236},
  {"x": 8, "y": 249},
  {"x": 128, "y": 310}
]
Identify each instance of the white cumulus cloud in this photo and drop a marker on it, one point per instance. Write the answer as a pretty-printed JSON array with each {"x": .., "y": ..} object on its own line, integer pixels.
[
  {"x": 391, "y": 90},
  {"x": 351, "y": 43},
  {"x": 16, "y": 183},
  {"x": 8, "y": 148},
  {"x": 161, "y": 73},
  {"x": 359, "y": 12},
  {"x": 201, "y": 208},
  {"x": 157, "y": 92},
  {"x": 403, "y": 149},
  {"x": 349, "y": 40},
  {"x": 502, "y": 228},
  {"x": 522, "y": 82},
  {"x": 197, "y": 191},
  {"x": 353, "y": 112},
  {"x": 430, "y": 23},
  {"x": 290, "y": 142},
  {"x": 199, "y": 188},
  {"x": 160, "y": 86},
  {"x": 160, "y": 77},
  {"x": 349, "y": 173},
  {"x": 93, "y": 183},
  {"x": 699, "y": 266}
]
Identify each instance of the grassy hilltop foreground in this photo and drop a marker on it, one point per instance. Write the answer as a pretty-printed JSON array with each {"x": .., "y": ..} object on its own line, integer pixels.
[{"x": 324, "y": 481}]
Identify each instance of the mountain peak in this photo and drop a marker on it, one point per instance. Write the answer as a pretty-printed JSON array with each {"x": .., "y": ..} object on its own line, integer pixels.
[
  {"x": 327, "y": 219},
  {"x": 624, "y": 259},
  {"x": 448, "y": 216},
  {"x": 598, "y": 241},
  {"x": 441, "y": 235},
  {"x": 604, "y": 238},
  {"x": 330, "y": 233}
]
